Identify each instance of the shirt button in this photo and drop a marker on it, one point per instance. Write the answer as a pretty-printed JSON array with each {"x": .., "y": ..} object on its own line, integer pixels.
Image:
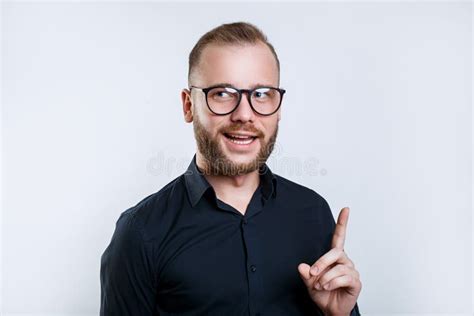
[
  {"x": 253, "y": 268},
  {"x": 244, "y": 221}
]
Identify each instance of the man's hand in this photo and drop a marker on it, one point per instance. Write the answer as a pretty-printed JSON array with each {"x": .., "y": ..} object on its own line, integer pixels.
[{"x": 333, "y": 282}]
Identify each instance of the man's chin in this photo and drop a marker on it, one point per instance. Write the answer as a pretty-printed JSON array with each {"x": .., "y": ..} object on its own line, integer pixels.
[
  {"x": 240, "y": 163},
  {"x": 241, "y": 159}
]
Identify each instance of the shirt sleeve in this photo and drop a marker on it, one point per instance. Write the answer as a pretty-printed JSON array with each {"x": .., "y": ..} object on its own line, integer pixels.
[{"x": 126, "y": 272}]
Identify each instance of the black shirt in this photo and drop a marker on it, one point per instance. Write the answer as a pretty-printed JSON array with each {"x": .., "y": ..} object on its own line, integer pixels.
[{"x": 182, "y": 251}]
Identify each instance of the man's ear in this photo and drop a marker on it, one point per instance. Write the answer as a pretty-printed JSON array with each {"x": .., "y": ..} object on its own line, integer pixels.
[{"x": 187, "y": 105}]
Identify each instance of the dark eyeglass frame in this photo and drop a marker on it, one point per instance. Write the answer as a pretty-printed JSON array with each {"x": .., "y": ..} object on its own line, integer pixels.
[{"x": 240, "y": 91}]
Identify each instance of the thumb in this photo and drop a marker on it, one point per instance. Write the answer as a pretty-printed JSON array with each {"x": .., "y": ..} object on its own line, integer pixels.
[{"x": 303, "y": 269}]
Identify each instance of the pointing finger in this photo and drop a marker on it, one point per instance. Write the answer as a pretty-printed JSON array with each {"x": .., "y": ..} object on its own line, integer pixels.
[{"x": 340, "y": 231}]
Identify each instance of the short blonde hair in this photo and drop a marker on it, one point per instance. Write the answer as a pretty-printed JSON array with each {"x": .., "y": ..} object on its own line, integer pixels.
[{"x": 238, "y": 33}]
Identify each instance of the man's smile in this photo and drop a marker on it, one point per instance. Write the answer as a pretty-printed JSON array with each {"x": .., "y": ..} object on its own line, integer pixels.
[{"x": 240, "y": 141}]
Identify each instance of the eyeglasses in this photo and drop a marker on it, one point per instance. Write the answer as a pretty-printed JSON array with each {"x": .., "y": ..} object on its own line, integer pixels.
[{"x": 223, "y": 100}]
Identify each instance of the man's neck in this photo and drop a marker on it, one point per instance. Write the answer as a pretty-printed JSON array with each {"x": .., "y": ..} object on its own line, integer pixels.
[{"x": 234, "y": 190}]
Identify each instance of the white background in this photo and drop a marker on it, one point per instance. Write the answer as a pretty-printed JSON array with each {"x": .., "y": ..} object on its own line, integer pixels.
[{"x": 378, "y": 103}]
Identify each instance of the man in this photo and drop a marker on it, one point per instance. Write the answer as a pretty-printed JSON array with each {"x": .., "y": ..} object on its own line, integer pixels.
[{"x": 229, "y": 237}]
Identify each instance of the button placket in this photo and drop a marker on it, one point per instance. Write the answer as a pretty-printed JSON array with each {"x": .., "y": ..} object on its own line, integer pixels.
[{"x": 250, "y": 239}]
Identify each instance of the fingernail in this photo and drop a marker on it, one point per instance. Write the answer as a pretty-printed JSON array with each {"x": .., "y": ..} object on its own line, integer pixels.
[
  {"x": 326, "y": 286},
  {"x": 314, "y": 270},
  {"x": 317, "y": 286}
]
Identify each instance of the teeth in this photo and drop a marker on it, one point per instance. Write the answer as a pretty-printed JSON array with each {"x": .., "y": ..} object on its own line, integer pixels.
[
  {"x": 240, "y": 139},
  {"x": 240, "y": 136},
  {"x": 242, "y": 142}
]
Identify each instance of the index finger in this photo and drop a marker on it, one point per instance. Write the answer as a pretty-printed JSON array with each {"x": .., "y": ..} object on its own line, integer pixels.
[{"x": 340, "y": 231}]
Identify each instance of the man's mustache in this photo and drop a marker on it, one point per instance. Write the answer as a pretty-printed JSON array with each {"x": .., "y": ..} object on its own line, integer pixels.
[{"x": 242, "y": 128}]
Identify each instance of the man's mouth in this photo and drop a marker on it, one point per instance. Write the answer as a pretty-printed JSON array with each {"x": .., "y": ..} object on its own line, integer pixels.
[{"x": 240, "y": 139}]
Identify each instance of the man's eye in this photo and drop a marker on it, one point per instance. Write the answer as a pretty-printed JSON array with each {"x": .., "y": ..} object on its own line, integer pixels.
[
  {"x": 222, "y": 94},
  {"x": 262, "y": 93}
]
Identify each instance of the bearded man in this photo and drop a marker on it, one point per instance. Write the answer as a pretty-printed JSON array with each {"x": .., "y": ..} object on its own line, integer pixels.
[{"x": 228, "y": 236}]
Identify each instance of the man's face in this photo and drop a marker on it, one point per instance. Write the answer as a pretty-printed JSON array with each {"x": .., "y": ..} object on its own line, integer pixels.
[{"x": 243, "y": 67}]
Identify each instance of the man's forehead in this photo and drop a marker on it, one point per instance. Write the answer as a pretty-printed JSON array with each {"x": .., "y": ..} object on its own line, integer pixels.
[{"x": 230, "y": 64}]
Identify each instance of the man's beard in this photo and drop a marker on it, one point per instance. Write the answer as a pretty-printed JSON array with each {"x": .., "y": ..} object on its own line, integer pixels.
[{"x": 216, "y": 162}]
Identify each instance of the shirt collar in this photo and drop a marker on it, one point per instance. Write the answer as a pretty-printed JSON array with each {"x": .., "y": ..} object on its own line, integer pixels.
[{"x": 197, "y": 185}]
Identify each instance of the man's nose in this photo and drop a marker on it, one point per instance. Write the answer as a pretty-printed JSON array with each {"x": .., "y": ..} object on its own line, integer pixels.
[{"x": 244, "y": 111}]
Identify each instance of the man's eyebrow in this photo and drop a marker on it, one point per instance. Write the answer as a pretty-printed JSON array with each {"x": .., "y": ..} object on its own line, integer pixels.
[{"x": 226, "y": 84}]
